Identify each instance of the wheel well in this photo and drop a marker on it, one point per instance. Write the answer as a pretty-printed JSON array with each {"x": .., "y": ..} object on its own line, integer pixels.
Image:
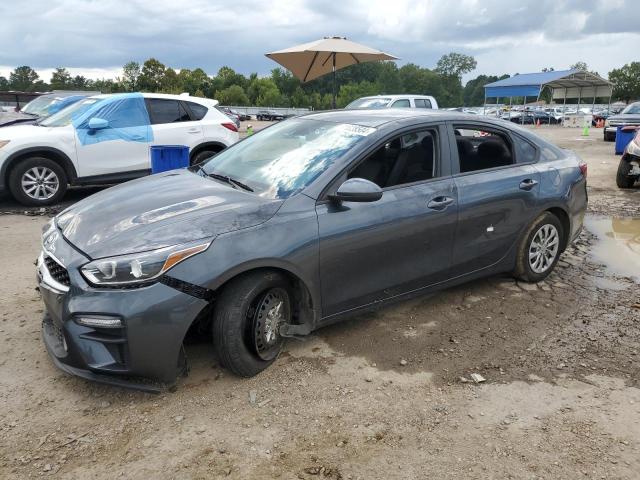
[
  {"x": 566, "y": 224},
  {"x": 58, "y": 157},
  {"x": 212, "y": 147},
  {"x": 303, "y": 311}
]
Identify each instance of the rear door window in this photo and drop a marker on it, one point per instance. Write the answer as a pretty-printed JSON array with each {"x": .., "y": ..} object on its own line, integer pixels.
[
  {"x": 404, "y": 103},
  {"x": 198, "y": 111},
  {"x": 525, "y": 152},
  {"x": 422, "y": 103},
  {"x": 482, "y": 149},
  {"x": 166, "y": 111}
]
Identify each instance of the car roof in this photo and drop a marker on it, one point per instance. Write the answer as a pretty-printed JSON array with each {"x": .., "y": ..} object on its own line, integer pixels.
[
  {"x": 187, "y": 98},
  {"x": 378, "y": 117},
  {"x": 396, "y": 97}
]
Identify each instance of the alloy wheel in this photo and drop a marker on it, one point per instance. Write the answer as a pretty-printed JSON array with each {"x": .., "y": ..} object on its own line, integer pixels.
[
  {"x": 544, "y": 248},
  {"x": 40, "y": 183}
]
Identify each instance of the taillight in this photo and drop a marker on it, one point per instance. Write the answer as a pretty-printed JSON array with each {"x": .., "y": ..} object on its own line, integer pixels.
[
  {"x": 231, "y": 126},
  {"x": 583, "y": 168}
]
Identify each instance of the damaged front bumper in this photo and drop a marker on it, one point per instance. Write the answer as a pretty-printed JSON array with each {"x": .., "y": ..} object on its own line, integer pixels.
[{"x": 137, "y": 345}]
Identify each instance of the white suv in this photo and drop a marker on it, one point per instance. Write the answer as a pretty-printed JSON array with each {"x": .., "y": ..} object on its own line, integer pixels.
[
  {"x": 105, "y": 139},
  {"x": 395, "y": 101}
]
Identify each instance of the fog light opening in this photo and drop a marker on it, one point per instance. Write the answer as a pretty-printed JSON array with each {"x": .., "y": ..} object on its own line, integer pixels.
[{"x": 99, "y": 321}]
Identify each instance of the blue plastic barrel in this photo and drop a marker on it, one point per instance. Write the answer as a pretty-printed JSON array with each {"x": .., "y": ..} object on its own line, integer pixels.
[
  {"x": 168, "y": 157},
  {"x": 622, "y": 139}
]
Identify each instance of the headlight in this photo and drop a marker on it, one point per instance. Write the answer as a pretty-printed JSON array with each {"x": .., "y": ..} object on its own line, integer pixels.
[
  {"x": 139, "y": 267},
  {"x": 3, "y": 143}
]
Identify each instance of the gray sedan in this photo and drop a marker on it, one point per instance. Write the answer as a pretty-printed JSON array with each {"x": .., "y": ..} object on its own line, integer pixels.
[{"x": 296, "y": 227}]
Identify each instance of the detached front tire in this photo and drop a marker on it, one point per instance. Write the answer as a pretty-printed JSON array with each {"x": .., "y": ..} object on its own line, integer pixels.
[
  {"x": 38, "y": 182},
  {"x": 248, "y": 316},
  {"x": 539, "y": 249}
]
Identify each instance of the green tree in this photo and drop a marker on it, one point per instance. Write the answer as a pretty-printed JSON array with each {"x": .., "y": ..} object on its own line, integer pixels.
[
  {"x": 4, "y": 83},
  {"x": 23, "y": 79},
  {"x": 351, "y": 91},
  {"x": 455, "y": 64},
  {"x": 170, "y": 82},
  {"x": 228, "y": 76},
  {"x": 233, "y": 95},
  {"x": 60, "y": 79},
  {"x": 195, "y": 80},
  {"x": 80, "y": 82},
  {"x": 151, "y": 76},
  {"x": 473, "y": 92},
  {"x": 582, "y": 66},
  {"x": 130, "y": 75},
  {"x": 626, "y": 81},
  {"x": 263, "y": 92}
]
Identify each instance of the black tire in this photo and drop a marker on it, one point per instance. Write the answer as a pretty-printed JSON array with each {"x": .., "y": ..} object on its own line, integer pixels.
[
  {"x": 237, "y": 318},
  {"x": 623, "y": 180},
  {"x": 44, "y": 164},
  {"x": 202, "y": 156},
  {"x": 524, "y": 270}
]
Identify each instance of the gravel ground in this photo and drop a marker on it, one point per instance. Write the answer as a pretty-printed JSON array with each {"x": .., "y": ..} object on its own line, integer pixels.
[{"x": 385, "y": 395}]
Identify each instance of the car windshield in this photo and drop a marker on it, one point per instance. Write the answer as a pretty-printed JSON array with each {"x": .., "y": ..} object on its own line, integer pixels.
[
  {"x": 66, "y": 115},
  {"x": 284, "y": 158},
  {"x": 633, "y": 109},
  {"x": 39, "y": 106},
  {"x": 369, "y": 103}
]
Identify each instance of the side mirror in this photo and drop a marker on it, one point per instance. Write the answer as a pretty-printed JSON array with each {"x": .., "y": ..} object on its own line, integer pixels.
[
  {"x": 357, "y": 190},
  {"x": 98, "y": 123}
]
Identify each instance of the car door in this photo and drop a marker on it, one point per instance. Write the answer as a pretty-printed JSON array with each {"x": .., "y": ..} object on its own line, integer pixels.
[
  {"x": 371, "y": 252},
  {"x": 121, "y": 147},
  {"x": 497, "y": 195},
  {"x": 172, "y": 123}
]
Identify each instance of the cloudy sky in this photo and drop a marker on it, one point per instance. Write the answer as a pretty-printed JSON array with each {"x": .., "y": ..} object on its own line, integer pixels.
[{"x": 96, "y": 37}]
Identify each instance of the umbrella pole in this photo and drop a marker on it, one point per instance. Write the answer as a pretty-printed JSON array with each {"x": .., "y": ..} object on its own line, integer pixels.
[{"x": 334, "y": 80}]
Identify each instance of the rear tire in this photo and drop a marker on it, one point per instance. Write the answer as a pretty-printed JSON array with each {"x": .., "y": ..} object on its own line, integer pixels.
[
  {"x": 623, "y": 180},
  {"x": 38, "y": 182},
  {"x": 539, "y": 249},
  {"x": 202, "y": 156},
  {"x": 248, "y": 315}
]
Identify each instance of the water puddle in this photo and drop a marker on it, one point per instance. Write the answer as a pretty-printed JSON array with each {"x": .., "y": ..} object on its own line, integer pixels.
[{"x": 618, "y": 245}]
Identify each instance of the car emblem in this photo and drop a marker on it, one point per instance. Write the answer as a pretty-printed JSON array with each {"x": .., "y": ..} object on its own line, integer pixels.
[{"x": 50, "y": 242}]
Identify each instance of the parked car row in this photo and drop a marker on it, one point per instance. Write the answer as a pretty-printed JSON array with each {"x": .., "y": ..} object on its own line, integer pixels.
[
  {"x": 105, "y": 139},
  {"x": 300, "y": 225}
]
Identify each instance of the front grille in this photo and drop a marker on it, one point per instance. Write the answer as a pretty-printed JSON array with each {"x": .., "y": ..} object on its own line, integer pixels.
[{"x": 57, "y": 271}]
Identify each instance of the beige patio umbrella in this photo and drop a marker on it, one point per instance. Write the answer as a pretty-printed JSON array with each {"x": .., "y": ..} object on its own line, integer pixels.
[{"x": 314, "y": 59}]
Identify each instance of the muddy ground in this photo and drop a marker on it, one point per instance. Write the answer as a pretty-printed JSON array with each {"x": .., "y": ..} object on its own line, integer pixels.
[{"x": 385, "y": 395}]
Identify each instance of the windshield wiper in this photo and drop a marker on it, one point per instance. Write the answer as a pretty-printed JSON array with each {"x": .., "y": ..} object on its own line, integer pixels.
[{"x": 231, "y": 181}]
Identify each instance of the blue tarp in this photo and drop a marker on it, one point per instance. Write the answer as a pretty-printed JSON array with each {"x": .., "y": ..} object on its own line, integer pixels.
[
  {"x": 63, "y": 102},
  {"x": 127, "y": 116},
  {"x": 527, "y": 84}
]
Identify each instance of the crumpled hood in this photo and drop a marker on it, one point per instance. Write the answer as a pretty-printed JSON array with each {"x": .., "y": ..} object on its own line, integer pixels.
[{"x": 158, "y": 211}]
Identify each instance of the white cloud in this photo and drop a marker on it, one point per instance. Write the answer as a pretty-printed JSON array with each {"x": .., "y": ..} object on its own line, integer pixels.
[{"x": 92, "y": 38}]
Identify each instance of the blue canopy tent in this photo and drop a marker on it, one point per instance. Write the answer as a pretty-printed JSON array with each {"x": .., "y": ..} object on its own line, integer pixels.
[{"x": 562, "y": 83}]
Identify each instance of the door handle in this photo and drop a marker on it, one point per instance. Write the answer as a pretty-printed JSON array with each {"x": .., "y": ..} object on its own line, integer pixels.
[
  {"x": 528, "y": 184},
  {"x": 440, "y": 203},
  {"x": 193, "y": 130}
]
